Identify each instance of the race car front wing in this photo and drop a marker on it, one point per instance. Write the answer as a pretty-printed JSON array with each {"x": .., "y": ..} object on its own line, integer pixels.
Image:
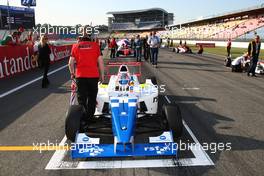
[{"x": 86, "y": 147}]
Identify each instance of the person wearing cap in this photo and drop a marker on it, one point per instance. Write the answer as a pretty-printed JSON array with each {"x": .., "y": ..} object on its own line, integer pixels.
[
  {"x": 253, "y": 51},
  {"x": 86, "y": 65}
]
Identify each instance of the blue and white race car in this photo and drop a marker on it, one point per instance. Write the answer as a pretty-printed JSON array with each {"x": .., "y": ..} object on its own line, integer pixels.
[{"x": 128, "y": 105}]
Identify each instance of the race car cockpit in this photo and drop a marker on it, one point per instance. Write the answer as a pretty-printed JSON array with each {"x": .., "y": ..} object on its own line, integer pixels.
[{"x": 124, "y": 79}]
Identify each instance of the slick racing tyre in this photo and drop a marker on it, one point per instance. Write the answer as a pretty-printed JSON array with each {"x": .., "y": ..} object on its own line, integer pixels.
[
  {"x": 173, "y": 116},
  {"x": 73, "y": 121}
]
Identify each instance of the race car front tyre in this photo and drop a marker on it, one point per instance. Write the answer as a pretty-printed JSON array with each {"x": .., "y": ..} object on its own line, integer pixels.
[
  {"x": 73, "y": 121},
  {"x": 153, "y": 80},
  {"x": 174, "y": 118}
]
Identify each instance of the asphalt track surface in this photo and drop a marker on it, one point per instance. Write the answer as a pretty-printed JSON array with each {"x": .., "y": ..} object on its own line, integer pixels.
[{"x": 218, "y": 106}]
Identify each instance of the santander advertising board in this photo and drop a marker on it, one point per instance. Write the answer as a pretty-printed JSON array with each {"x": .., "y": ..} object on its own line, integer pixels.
[{"x": 18, "y": 59}]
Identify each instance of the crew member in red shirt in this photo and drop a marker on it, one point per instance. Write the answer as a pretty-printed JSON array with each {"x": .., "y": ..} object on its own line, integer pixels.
[
  {"x": 86, "y": 65},
  {"x": 112, "y": 47}
]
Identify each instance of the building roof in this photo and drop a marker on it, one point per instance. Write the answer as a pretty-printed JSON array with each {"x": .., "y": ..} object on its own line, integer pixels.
[{"x": 135, "y": 11}]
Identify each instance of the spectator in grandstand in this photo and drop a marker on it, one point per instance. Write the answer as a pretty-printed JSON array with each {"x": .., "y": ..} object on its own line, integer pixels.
[
  {"x": 30, "y": 38},
  {"x": 253, "y": 51},
  {"x": 154, "y": 42},
  {"x": 113, "y": 47},
  {"x": 138, "y": 45},
  {"x": 228, "y": 47},
  {"x": 44, "y": 59},
  {"x": 200, "y": 50},
  {"x": 87, "y": 73},
  {"x": 21, "y": 29}
]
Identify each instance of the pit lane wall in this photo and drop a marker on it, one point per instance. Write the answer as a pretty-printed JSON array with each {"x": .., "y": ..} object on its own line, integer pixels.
[
  {"x": 18, "y": 59},
  {"x": 217, "y": 43}
]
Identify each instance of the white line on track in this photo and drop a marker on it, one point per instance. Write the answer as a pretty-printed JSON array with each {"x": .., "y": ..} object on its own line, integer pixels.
[
  {"x": 201, "y": 159},
  {"x": 30, "y": 82},
  {"x": 191, "y": 88},
  {"x": 58, "y": 156}
]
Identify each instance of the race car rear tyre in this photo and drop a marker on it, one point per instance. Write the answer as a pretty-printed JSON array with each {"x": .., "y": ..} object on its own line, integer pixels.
[
  {"x": 174, "y": 118},
  {"x": 73, "y": 121}
]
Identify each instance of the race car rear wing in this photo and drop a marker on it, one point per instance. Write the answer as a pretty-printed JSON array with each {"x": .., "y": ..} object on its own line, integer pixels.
[{"x": 112, "y": 68}]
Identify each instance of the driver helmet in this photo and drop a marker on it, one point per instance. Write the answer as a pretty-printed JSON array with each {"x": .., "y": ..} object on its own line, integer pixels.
[{"x": 124, "y": 79}]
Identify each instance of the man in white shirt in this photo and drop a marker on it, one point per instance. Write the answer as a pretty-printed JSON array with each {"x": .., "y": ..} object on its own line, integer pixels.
[
  {"x": 154, "y": 42},
  {"x": 237, "y": 64}
]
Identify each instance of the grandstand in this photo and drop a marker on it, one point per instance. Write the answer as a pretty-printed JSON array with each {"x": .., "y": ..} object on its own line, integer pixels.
[
  {"x": 240, "y": 25},
  {"x": 139, "y": 20}
]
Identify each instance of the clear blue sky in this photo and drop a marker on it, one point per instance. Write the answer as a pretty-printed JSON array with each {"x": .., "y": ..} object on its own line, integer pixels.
[{"x": 71, "y": 12}]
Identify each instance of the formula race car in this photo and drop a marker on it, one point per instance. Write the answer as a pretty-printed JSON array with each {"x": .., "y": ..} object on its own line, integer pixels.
[
  {"x": 260, "y": 68},
  {"x": 242, "y": 63},
  {"x": 182, "y": 49},
  {"x": 124, "y": 48},
  {"x": 128, "y": 105}
]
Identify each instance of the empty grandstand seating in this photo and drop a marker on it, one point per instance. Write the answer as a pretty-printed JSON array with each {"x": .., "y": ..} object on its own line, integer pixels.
[
  {"x": 224, "y": 30},
  {"x": 241, "y": 29},
  {"x": 149, "y": 25},
  {"x": 132, "y": 26}
]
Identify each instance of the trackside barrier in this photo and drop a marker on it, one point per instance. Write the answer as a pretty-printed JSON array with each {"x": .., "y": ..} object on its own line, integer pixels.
[
  {"x": 206, "y": 45},
  {"x": 18, "y": 59}
]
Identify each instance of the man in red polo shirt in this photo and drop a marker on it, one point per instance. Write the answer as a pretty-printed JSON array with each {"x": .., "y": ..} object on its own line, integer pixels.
[{"x": 86, "y": 65}]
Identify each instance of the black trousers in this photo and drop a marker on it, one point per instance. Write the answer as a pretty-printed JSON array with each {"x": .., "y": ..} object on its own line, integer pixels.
[
  {"x": 252, "y": 67},
  {"x": 45, "y": 80},
  {"x": 138, "y": 54},
  {"x": 113, "y": 53},
  {"x": 228, "y": 50},
  {"x": 146, "y": 53},
  {"x": 86, "y": 95}
]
